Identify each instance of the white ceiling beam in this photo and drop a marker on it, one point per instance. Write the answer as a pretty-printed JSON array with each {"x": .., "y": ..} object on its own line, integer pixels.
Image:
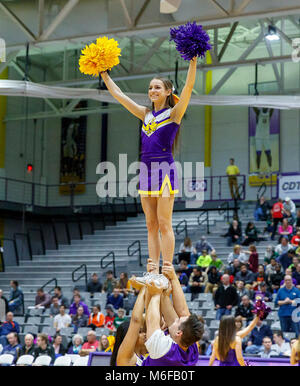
[
  {"x": 219, "y": 8},
  {"x": 41, "y": 16},
  {"x": 18, "y": 22},
  {"x": 228, "y": 74},
  {"x": 59, "y": 19}
]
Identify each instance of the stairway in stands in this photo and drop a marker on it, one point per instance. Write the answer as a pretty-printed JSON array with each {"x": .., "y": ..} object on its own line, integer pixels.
[{"x": 61, "y": 263}]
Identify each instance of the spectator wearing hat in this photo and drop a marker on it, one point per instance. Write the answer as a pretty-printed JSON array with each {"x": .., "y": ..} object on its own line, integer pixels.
[{"x": 289, "y": 209}]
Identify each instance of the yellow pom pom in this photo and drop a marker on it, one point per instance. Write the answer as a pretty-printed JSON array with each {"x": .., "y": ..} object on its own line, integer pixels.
[{"x": 99, "y": 57}]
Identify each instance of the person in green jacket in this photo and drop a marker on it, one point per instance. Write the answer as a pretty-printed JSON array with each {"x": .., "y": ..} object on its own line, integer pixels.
[{"x": 204, "y": 260}]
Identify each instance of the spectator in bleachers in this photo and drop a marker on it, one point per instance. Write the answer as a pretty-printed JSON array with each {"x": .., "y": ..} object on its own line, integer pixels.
[
  {"x": 7, "y": 327},
  {"x": 269, "y": 254},
  {"x": 184, "y": 266},
  {"x": 261, "y": 330},
  {"x": 286, "y": 257},
  {"x": 239, "y": 323},
  {"x": 110, "y": 317},
  {"x": 288, "y": 271},
  {"x": 285, "y": 299},
  {"x": 186, "y": 249},
  {"x": 294, "y": 264},
  {"x": 28, "y": 347},
  {"x": 277, "y": 216},
  {"x": 215, "y": 262},
  {"x": 76, "y": 292},
  {"x": 266, "y": 351},
  {"x": 13, "y": 347},
  {"x": 116, "y": 299},
  {"x": 213, "y": 280},
  {"x": 237, "y": 254},
  {"x": 44, "y": 348},
  {"x": 59, "y": 348},
  {"x": 94, "y": 285},
  {"x": 120, "y": 318},
  {"x": 296, "y": 275},
  {"x": 124, "y": 284},
  {"x": 242, "y": 290},
  {"x": 80, "y": 319},
  {"x": 231, "y": 277},
  {"x": 204, "y": 342},
  {"x": 103, "y": 344},
  {"x": 289, "y": 209},
  {"x": 197, "y": 282},
  {"x": 270, "y": 268},
  {"x": 110, "y": 283},
  {"x": 204, "y": 259},
  {"x": 54, "y": 307},
  {"x": 245, "y": 275},
  {"x": 235, "y": 267},
  {"x": 285, "y": 230},
  {"x": 226, "y": 297},
  {"x": 244, "y": 309},
  {"x": 234, "y": 234},
  {"x": 3, "y": 307},
  {"x": 295, "y": 241},
  {"x": 276, "y": 278},
  {"x": 263, "y": 293},
  {"x": 96, "y": 318},
  {"x": 204, "y": 244},
  {"x": 281, "y": 346},
  {"x": 62, "y": 320},
  {"x": 91, "y": 345},
  {"x": 42, "y": 299},
  {"x": 62, "y": 300},
  {"x": 183, "y": 279},
  {"x": 253, "y": 259},
  {"x": 261, "y": 210},
  {"x": 259, "y": 277},
  {"x": 77, "y": 342},
  {"x": 251, "y": 234},
  {"x": 16, "y": 297},
  {"x": 78, "y": 303}
]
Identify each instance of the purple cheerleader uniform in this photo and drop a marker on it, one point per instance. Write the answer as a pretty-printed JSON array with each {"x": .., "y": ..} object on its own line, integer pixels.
[
  {"x": 231, "y": 359},
  {"x": 157, "y": 163},
  {"x": 163, "y": 351}
]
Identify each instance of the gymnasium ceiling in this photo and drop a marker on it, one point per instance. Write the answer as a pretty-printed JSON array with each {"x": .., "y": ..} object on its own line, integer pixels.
[{"x": 57, "y": 30}]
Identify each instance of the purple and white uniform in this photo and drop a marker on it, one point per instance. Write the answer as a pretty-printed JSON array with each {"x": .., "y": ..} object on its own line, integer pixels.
[
  {"x": 157, "y": 162},
  {"x": 163, "y": 351}
]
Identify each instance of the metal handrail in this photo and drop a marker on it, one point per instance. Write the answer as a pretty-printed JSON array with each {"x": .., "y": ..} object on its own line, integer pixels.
[
  {"x": 201, "y": 220},
  {"x": 184, "y": 229},
  {"x": 83, "y": 275},
  {"x": 15, "y": 248},
  {"x": 113, "y": 262},
  {"x": 130, "y": 253},
  {"x": 42, "y": 237},
  {"x": 262, "y": 187},
  {"x": 28, "y": 241},
  {"x": 222, "y": 210},
  {"x": 50, "y": 281}
]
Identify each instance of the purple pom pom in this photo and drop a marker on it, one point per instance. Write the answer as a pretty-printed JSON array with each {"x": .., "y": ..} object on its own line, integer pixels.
[
  {"x": 191, "y": 40},
  {"x": 261, "y": 309}
]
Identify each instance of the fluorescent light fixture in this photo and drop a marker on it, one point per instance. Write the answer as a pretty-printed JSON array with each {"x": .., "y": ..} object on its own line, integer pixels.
[
  {"x": 169, "y": 6},
  {"x": 272, "y": 33}
]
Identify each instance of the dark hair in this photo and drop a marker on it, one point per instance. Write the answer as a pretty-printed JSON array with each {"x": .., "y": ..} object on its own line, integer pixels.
[
  {"x": 120, "y": 335},
  {"x": 98, "y": 306},
  {"x": 15, "y": 282},
  {"x": 192, "y": 330},
  {"x": 109, "y": 272},
  {"x": 227, "y": 333},
  {"x": 279, "y": 333},
  {"x": 169, "y": 103},
  {"x": 58, "y": 288},
  {"x": 40, "y": 290}
]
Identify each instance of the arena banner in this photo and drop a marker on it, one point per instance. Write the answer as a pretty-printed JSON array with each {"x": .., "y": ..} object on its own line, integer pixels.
[
  {"x": 264, "y": 135},
  {"x": 73, "y": 152},
  {"x": 289, "y": 186}
]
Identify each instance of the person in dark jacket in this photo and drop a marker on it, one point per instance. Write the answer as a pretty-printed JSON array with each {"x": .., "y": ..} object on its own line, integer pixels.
[
  {"x": 251, "y": 234},
  {"x": 244, "y": 309},
  {"x": 234, "y": 234},
  {"x": 16, "y": 297},
  {"x": 213, "y": 280},
  {"x": 245, "y": 275},
  {"x": 59, "y": 348},
  {"x": 28, "y": 348},
  {"x": 94, "y": 285},
  {"x": 44, "y": 348},
  {"x": 257, "y": 335},
  {"x": 276, "y": 278},
  {"x": 7, "y": 327},
  {"x": 226, "y": 297},
  {"x": 116, "y": 299},
  {"x": 262, "y": 210}
]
